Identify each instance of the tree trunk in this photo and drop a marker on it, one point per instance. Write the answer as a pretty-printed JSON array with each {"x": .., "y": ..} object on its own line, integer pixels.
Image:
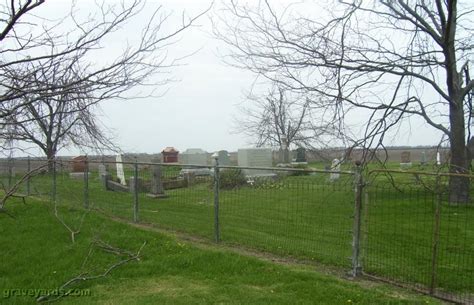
[
  {"x": 50, "y": 156},
  {"x": 459, "y": 164}
]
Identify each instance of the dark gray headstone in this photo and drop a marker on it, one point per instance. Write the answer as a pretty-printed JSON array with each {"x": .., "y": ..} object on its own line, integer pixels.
[
  {"x": 156, "y": 184},
  {"x": 300, "y": 154},
  {"x": 223, "y": 156}
]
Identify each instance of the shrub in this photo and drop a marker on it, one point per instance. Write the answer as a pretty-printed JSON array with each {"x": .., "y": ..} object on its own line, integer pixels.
[{"x": 231, "y": 178}]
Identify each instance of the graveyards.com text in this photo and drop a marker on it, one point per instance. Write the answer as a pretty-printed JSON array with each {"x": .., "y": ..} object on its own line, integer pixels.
[{"x": 8, "y": 293}]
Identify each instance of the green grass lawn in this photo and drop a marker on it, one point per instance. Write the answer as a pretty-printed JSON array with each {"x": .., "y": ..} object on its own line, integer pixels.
[
  {"x": 37, "y": 253},
  {"x": 309, "y": 218}
]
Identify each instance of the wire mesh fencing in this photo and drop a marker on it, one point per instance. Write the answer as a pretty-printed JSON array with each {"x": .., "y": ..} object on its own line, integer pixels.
[
  {"x": 303, "y": 214},
  {"x": 306, "y": 214},
  {"x": 26, "y": 177},
  {"x": 415, "y": 235},
  {"x": 178, "y": 197},
  {"x": 401, "y": 227}
]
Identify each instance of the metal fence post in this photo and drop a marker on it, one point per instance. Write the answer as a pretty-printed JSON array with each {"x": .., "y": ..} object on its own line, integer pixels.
[
  {"x": 435, "y": 245},
  {"x": 28, "y": 169},
  {"x": 135, "y": 193},
  {"x": 356, "y": 234},
  {"x": 86, "y": 183},
  {"x": 53, "y": 191},
  {"x": 10, "y": 172},
  {"x": 216, "y": 201}
]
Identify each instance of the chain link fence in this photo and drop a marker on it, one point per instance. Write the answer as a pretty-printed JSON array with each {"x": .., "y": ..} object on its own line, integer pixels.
[{"x": 389, "y": 225}]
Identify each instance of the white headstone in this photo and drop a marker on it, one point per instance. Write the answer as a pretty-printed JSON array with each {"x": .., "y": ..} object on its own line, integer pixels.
[
  {"x": 335, "y": 166},
  {"x": 438, "y": 158},
  {"x": 194, "y": 156},
  {"x": 255, "y": 157},
  {"x": 120, "y": 173}
]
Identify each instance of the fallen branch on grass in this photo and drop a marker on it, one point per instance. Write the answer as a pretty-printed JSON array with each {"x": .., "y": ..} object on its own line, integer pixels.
[
  {"x": 85, "y": 276},
  {"x": 72, "y": 231}
]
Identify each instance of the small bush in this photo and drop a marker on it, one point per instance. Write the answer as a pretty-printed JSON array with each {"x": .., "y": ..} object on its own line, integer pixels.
[{"x": 231, "y": 178}]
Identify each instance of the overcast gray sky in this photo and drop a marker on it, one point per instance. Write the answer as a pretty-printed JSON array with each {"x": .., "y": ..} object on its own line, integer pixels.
[{"x": 197, "y": 110}]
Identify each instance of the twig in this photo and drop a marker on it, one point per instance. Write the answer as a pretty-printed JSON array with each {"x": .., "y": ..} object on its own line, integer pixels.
[
  {"x": 10, "y": 192},
  {"x": 84, "y": 276},
  {"x": 73, "y": 232}
]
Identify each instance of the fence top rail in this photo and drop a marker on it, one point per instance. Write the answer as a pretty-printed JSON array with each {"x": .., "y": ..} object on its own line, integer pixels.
[
  {"x": 288, "y": 169},
  {"x": 395, "y": 171},
  {"x": 283, "y": 169},
  {"x": 147, "y": 163}
]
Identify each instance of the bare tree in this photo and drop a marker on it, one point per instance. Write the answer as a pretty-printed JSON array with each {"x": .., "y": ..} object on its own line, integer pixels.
[
  {"x": 388, "y": 61},
  {"x": 12, "y": 12},
  {"x": 50, "y": 82},
  {"x": 280, "y": 117},
  {"x": 53, "y": 121}
]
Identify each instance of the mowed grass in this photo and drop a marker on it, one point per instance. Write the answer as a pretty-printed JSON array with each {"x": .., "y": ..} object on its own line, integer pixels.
[
  {"x": 310, "y": 218},
  {"x": 37, "y": 253}
]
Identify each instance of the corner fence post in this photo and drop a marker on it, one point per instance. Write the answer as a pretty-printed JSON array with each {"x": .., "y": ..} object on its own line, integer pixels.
[
  {"x": 135, "y": 193},
  {"x": 86, "y": 183},
  {"x": 53, "y": 190},
  {"x": 436, "y": 228},
  {"x": 216, "y": 201},
  {"x": 28, "y": 169},
  {"x": 358, "y": 186}
]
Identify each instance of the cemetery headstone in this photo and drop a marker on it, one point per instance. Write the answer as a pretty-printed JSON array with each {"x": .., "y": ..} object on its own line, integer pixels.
[
  {"x": 78, "y": 167},
  {"x": 423, "y": 158},
  {"x": 255, "y": 157},
  {"x": 300, "y": 155},
  {"x": 195, "y": 156},
  {"x": 120, "y": 172},
  {"x": 156, "y": 188},
  {"x": 438, "y": 158},
  {"x": 79, "y": 164},
  {"x": 190, "y": 178},
  {"x": 405, "y": 159},
  {"x": 102, "y": 169},
  {"x": 104, "y": 176},
  {"x": 335, "y": 168},
  {"x": 104, "y": 180},
  {"x": 223, "y": 156}
]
